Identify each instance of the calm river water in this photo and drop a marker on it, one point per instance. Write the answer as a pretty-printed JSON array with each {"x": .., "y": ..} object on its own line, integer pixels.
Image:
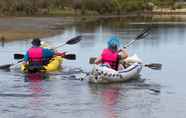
[{"x": 157, "y": 94}]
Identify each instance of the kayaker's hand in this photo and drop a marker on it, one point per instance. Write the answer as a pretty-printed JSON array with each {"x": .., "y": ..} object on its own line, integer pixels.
[
  {"x": 97, "y": 63},
  {"x": 98, "y": 60},
  {"x": 123, "y": 53},
  {"x": 62, "y": 54}
]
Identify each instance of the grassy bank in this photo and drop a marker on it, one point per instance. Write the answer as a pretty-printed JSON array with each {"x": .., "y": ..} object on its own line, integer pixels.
[
  {"x": 18, "y": 28},
  {"x": 15, "y": 34}
]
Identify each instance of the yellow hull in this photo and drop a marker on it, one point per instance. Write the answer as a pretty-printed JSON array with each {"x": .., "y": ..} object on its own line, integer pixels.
[{"x": 54, "y": 65}]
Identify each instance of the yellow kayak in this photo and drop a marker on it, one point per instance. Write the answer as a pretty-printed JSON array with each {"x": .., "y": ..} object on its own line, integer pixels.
[{"x": 53, "y": 65}]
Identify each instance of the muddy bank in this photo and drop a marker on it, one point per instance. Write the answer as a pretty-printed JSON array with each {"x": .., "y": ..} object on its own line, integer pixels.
[{"x": 17, "y": 28}]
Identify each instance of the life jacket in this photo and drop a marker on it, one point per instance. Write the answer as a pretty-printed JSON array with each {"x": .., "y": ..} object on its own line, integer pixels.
[
  {"x": 35, "y": 55},
  {"x": 111, "y": 58}
]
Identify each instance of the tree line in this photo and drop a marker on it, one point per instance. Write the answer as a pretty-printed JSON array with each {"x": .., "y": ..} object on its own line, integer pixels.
[{"x": 45, "y": 7}]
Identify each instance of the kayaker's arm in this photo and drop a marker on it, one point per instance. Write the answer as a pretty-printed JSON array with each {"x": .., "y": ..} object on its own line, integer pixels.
[
  {"x": 26, "y": 57},
  {"x": 99, "y": 59},
  {"x": 47, "y": 53}
]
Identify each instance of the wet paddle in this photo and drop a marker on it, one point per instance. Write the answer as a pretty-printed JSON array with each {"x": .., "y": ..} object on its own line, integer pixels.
[
  {"x": 70, "y": 42},
  {"x": 154, "y": 66},
  {"x": 7, "y": 66},
  {"x": 138, "y": 37},
  {"x": 18, "y": 56},
  {"x": 92, "y": 60},
  {"x": 21, "y": 56},
  {"x": 66, "y": 56}
]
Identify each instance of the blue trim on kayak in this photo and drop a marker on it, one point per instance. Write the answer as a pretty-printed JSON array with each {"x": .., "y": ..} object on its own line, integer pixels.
[
  {"x": 105, "y": 65},
  {"x": 128, "y": 70}
]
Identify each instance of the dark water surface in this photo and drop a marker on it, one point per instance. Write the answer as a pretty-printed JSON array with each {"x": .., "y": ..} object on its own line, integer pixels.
[{"x": 157, "y": 94}]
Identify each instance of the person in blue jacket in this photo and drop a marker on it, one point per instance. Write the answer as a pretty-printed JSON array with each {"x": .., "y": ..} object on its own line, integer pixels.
[{"x": 38, "y": 55}]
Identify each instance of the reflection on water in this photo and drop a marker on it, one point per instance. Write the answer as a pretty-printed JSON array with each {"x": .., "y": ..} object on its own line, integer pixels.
[
  {"x": 34, "y": 77},
  {"x": 132, "y": 99},
  {"x": 109, "y": 98},
  {"x": 2, "y": 41},
  {"x": 36, "y": 81}
]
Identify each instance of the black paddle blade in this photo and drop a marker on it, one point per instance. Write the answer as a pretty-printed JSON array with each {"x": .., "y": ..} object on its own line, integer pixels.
[
  {"x": 18, "y": 56},
  {"x": 155, "y": 66},
  {"x": 92, "y": 60},
  {"x": 74, "y": 40},
  {"x": 70, "y": 56},
  {"x": 143, "y": 34},
  {"x": 5, "y": 67}
]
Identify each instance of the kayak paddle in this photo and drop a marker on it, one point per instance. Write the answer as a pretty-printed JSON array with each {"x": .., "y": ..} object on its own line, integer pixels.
[
  {"x": 154, "y": 66},
  {"x": 7, "y": 66},
  {"x": 21, "y": 56},
  {"x": 18, "y": 56},
  {"x": 71, "y": 41},
  {"x": 66, "y": 56},
  {"x": 138, "y": 37}
]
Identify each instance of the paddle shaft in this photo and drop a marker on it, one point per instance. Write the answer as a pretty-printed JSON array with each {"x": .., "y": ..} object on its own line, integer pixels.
[
  {"x": 140, "y": 36},
  {"x": 130, "y": 43},
  {"x": 66, "y": 56},
  {"x": 71, "y": 41},
  {"x": 61, "y": 45},
  {"x": 7, "y": 66},
  {"x": 154, "y": 66}
]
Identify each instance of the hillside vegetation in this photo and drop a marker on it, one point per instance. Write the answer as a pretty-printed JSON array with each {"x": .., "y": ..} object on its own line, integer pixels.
[{"x": 78, "y": 7}]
